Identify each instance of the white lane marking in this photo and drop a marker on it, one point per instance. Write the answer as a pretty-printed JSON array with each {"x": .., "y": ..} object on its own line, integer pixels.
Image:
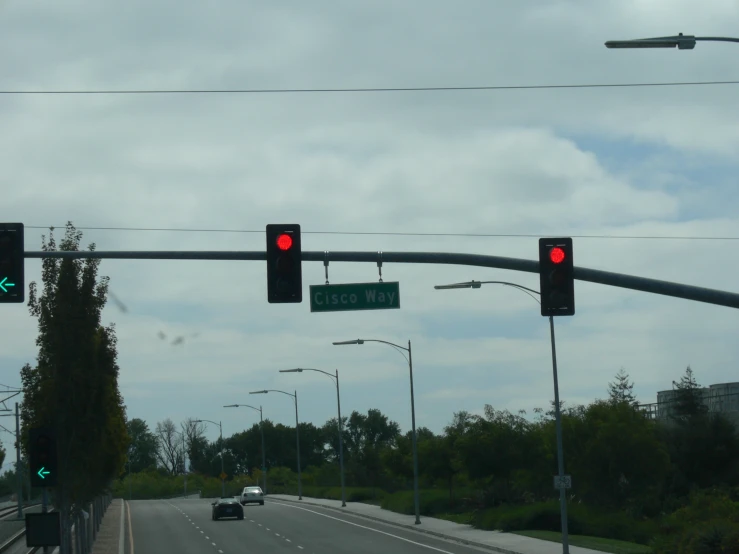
[
  {"x": 288, "y": 540},
  {"x": 207, "y": 537},
  {"x": 300, "y": 547},
  {"x": 213, "y": 543},
  {"x": 368, "y": 528},
  {"x": 202, "y": 532},
  {"x": 221, "y": 551},
  {"x": 251, "y": 520},
  {"x": 259, "y": 524},
  {"x": 267, "y": 528},
  {"x": 277, "y": 534}
]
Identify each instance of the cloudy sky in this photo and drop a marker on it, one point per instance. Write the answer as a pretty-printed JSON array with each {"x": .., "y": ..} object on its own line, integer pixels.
[{"x": 617, "y": 162}]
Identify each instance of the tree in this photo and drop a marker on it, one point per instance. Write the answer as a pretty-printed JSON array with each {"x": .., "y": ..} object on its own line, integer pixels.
[
  {"x": 74, "y": 386},
  {"x": 169, "y": 453},
  {"x": 142, "y": 452},
  {"x": 194, "y": 433},
  {"x": 688, "y": 402},
  {"x": 622, "y": 390}
]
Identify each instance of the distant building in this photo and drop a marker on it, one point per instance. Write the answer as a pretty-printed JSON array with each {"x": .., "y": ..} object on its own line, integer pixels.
[{"x": 719, "y": 399}]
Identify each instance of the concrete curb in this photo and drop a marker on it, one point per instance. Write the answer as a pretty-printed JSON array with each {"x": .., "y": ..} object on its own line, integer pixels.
[{"x": 404, "y": 526}]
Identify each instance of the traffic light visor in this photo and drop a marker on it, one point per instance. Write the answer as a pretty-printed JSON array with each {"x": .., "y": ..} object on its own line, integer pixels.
[
  {"x": 284, "y": 241},
  {"x": 557, "y": 255}
]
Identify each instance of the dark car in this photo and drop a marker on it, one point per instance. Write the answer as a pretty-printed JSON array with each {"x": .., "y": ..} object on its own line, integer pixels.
[{"x": 227, "y": 506}]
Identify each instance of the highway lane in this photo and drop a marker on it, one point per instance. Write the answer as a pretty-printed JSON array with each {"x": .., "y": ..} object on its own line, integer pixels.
[{"x": 184, "y": 526}]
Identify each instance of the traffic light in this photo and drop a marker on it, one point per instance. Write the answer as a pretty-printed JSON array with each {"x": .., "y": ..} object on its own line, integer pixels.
[
  {"x": 556, "y": 277},
  {"x": 284, "y": 269},
  {"x": 11, "y": 263},
  {"x": 42, "y": 454}
]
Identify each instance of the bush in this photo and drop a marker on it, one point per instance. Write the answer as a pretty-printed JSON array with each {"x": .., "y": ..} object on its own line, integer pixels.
[
  {"x": 432, "y": 502},
  {"x": 581, "y": 520},
  {"x": 708, "y": 523}
]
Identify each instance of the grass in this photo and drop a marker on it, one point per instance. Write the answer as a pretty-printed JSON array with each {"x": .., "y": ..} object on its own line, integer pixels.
[
  {"x": 465, "y": 518},
  {"x": 595, "y": 543}
]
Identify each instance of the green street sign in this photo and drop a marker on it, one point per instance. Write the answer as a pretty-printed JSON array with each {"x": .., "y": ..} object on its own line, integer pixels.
[
  {"x": 355, "y": 297},
  {"x": 4, "y": 283},
  {"x": 43, "y": 474}
]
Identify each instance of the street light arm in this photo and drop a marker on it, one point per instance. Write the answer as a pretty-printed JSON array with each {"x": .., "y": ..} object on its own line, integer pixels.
[
  {"x": 386, "y": 342},
  {"x": 272, "y": 390},
  {"x": 718, "y": 39},
  {"x": 476, "y": 285},
  {"x": 297, "y": 370},
  {"x": 683, "y": 42},
  {"x": 207, "y": 421},
  {"x": 242, "y": 406}
]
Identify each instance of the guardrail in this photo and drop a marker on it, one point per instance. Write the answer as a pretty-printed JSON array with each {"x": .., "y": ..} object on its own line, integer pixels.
[{"x": 88, "y": 524}]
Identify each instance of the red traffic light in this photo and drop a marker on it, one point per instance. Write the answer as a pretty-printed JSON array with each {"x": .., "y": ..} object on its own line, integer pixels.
[
  {"x": 284, "y": 242},
  {"x": 557, "y": 255}
]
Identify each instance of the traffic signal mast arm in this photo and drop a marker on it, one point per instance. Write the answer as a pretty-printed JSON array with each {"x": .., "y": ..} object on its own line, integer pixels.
[{"x": 632, "y": 282}]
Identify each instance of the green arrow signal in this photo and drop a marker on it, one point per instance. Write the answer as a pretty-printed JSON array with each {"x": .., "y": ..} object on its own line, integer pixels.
[
  {"x": 3, "y": 284},
  {"x": 42, "y": 473}
]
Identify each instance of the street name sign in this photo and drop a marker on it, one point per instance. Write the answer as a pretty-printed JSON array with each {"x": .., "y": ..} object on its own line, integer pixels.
[{"x": 355, "y": 297}]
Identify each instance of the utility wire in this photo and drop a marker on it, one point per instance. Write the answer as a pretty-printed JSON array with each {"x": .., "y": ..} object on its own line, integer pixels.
[
  {"x": 388, "y": 233},
  {"x": 366, "y": 90}
]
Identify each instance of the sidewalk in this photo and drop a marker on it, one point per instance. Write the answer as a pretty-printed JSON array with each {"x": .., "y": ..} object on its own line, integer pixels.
[
  {"x": 506, "y": 543},
  {"x": 109, "y": 539}
]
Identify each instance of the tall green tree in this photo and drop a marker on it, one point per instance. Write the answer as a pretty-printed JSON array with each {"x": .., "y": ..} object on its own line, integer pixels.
[
  {"x": 74, "y": 386},
  {"x": 142, "y": 451},
  {"x": 622, "y": 389},
  {"x": 689, "y": 402}
]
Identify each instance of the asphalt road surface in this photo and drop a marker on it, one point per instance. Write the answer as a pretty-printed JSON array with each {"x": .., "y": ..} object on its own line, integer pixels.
[{"x": 184, "y": 526}]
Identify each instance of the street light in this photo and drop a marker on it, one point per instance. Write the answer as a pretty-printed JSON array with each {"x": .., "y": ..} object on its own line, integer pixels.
[
  {"x": 223, "y": 481},
  {"x": 682, "y": 42},
  {"x": 416, "y": 499},
  {"x": 297, "y": 433},
  {"x": 261, "y": 427},
  {"x": 557, "y": 412},
  {"x": 341, "y": 425}
]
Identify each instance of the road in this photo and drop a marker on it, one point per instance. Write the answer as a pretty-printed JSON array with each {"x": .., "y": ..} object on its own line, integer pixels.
[{"x": 184, "y": 526}]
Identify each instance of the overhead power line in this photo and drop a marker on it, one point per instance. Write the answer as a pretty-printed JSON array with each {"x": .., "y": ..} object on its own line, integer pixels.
[
  {"x": 365, "y": 90},
  {"x": 390, "y": 233}
]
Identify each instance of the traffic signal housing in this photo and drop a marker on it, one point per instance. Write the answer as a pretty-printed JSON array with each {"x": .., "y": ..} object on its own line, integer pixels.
[
  {"x": 556, "y": 277},
  {"x": 284, "y": 264},
  {"x": 42, "y": 457},
  {"x": 11, "y": 263}
]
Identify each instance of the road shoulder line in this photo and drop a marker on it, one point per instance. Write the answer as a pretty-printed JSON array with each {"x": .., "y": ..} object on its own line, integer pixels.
[{"x": 403, "y": 526}]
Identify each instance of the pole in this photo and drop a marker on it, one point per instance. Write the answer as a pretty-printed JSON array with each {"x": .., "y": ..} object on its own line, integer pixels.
[
  {"x": 223, "y": 481},
  {"x": 19, "y": 474},
  {"x": 264, "y": 458},
  {"x": 341, "y": 442},
  {"x": 45, "y": 509},
  {"x": 184, "y": 461},
  {"x": 560, "y": 452},
  {"x": 129, "y": 480},
  {"x": 297, "y": 439},
  {"x": 416, "y": 499}
]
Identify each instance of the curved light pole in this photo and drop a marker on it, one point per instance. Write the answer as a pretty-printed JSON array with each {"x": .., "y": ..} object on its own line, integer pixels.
[
  {"x": 261, "y": 427},
  {"x": 223, "y": 481},
  {"x": 416, "y": 499},
  {"x": 297, "y": 433},
  {"x": 681, "y": 41},
  {"x": 557, "y": 412},
  {"x": 341, "y": 425}
]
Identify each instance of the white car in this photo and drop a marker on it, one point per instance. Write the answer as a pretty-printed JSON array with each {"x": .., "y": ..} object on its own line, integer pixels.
[{"x": 252, "y": 495}]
